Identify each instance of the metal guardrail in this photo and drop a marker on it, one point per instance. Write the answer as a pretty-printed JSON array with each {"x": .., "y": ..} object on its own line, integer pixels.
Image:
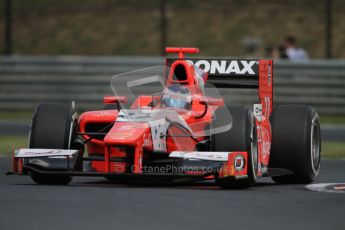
[{"x": 26, "y": 81}]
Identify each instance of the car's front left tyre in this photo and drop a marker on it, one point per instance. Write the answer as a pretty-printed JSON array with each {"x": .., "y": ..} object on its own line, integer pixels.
[{"x": 53, "y": 126}]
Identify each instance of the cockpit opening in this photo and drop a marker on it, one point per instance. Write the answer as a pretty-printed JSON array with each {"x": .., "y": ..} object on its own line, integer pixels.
[{"x": 180, "y": 73}]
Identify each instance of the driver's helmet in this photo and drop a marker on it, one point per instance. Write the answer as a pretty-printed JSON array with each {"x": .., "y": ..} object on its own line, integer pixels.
[{"x": 177, "y": 96}]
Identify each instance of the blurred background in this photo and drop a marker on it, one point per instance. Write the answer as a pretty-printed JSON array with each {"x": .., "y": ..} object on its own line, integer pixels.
[
  {"x": 134, "y": 27},
  {"x": 64, "y": 50}
]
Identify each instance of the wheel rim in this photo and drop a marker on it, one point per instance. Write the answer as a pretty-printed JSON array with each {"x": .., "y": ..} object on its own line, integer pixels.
[
  {"x": 70, "y": 135},
  {"x": 315, "y": 146},
  {"x": 254, "y": 152},
  {"x": 72, "y": 130}
]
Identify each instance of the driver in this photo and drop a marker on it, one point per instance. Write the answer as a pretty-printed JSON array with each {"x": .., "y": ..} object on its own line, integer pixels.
[{"x": 177, "y": 96}]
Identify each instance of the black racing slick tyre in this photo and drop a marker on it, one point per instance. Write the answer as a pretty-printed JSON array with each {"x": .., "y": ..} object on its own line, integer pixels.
[
  {"x": 296, "y": 143},
  {"x": 53, "y": 126},
  {"x": 241, "y": 137}
]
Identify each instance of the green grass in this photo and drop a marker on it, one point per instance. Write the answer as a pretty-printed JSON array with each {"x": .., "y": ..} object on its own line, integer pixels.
[
  {"x": 333, "y": 149},
  {"x": 328, "y": 119},
  {"x": 9, "y": 143},
  {"x": 16, "y": 115}
]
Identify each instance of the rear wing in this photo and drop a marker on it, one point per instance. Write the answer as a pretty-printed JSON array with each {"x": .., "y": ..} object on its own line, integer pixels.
[{"x": 232, "y": 73}]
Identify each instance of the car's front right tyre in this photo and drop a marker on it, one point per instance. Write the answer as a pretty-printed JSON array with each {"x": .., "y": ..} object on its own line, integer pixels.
[
  {"x": 296, "y": 143},
  {"x": 241, "y": 137}
]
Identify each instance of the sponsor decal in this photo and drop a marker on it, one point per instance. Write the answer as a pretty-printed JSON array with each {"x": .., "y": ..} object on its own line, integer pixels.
[
  {"x": 213, "y": 156},
  {"x": 103, "y": 114},
  {"x": 134, "y": 115},
  {"x": 58, "y": 157},
  {"x": 234, "y": 67},
  {"x": 159, "y": 128},
  {"x": 146, "y": 140},
  {"x": 264, "y": 142},
  {"x": 258, "y": 112},
  {"x": 22, "y": 153},
  {"x": 119, "y": 167},
  {"x": 125, "y": 127},
  {"x": 38, "y": 153},
  {"x": 267, "y": 105},
  {"x": 239, "y": 163}
]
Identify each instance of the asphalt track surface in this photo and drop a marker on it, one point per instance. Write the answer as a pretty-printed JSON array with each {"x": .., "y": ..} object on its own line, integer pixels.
[
  {"x": 21, "y": 128},
  {"x": 94, "y": 203}
]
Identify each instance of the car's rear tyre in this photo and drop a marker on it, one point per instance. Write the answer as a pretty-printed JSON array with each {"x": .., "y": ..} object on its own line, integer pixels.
[
  {"x": 241, "y": 137},
  {"x": 296, "y": 143},
  {"x": 53, "y": 126}
]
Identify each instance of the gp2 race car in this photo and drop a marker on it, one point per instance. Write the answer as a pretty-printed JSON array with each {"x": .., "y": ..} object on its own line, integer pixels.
[{"x": 171, "y": 123}]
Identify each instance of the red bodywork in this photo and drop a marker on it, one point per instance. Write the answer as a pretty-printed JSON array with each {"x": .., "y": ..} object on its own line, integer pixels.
[{"x": 124, "y": 138}]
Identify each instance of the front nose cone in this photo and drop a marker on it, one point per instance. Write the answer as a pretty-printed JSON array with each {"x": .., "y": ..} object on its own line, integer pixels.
[{"x": 128, "y": 133}]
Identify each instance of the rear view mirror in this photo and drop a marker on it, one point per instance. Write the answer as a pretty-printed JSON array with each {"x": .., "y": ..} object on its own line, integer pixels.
[{"x": 115, "y": 99}]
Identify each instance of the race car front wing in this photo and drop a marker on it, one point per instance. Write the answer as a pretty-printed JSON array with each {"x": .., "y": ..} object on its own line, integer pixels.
[{"x": 197, "y": 165}]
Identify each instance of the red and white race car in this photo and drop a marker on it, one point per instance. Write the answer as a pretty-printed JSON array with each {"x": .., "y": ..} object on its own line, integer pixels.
[{"x": 170, "y": 122}]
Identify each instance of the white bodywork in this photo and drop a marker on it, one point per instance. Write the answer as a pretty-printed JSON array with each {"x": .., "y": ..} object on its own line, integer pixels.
[
  {"x": 27, "y": 153},
  {"x": 211, "y": 156},
  {"x": 159, "y": 121}
]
